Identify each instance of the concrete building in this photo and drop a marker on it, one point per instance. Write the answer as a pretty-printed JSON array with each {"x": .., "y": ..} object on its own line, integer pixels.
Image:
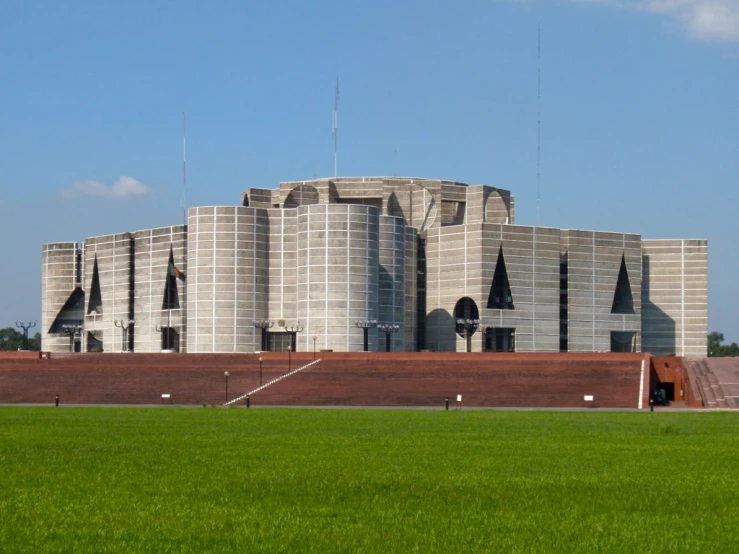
[{"x": 400, "y": 263}]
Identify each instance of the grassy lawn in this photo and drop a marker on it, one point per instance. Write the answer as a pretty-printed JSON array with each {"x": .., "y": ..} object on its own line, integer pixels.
[{"x": 215, "y": 480}]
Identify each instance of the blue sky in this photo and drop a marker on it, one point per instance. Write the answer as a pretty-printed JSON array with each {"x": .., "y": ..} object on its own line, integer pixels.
[{"x": 640, "y": 126}]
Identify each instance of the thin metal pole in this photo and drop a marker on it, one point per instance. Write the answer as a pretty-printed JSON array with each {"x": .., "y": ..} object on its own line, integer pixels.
[{"x": 538, "y": 125}]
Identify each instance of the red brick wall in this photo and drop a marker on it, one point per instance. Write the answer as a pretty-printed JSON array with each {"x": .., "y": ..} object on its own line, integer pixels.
[{"x": 383, "y": 379}]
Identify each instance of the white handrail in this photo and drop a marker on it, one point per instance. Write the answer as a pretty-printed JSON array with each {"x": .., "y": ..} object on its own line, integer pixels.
[{"x": 272, "y": 382}]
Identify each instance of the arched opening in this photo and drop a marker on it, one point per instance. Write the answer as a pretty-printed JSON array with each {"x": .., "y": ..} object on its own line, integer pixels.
[
  {"x": 467, "y": 319},
  {"x": 302, "y": 195}
]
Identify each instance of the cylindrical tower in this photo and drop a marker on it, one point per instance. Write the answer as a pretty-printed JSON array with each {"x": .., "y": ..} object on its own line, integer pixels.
[
  {"x": 337, "y": 274},
  {"x": 227, "y": 278},
  {"x": 60, "y": 280},
  {"x": 392, "y": 277}
]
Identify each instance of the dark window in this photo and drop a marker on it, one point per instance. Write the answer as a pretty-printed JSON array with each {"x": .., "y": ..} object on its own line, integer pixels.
[
  {"x": 500, "y": 296},
  {"x": 95, "y": 305},
  {"x": 171, "y": 299},
  {"x": 623, "y": 300},
  {"x": 623, "y": 341}
]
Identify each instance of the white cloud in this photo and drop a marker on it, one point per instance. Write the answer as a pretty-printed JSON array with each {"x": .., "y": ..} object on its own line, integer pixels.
[
  {"x": 124, "y": 187},
  {"x": 709, "y": 20}
]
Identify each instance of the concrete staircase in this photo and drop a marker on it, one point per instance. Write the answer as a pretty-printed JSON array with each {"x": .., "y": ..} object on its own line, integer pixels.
[{"x": 717, "y": 379}]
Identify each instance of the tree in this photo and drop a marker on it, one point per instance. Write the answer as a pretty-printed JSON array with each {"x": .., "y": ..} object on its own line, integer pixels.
[
  {"x": 10, "y": 339},
  {"x": 716, "y": 349},
  {"x": 34, "y": 342}
]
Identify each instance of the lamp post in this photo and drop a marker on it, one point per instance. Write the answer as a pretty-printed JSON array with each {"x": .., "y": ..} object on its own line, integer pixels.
[
  {"x": 315, "y": 338},
  {"x": 260, "y": 371},
  {"x": 25, "y": 326},
  {"x": 388, "y": 329},
  {"x": 469, "y": 326},
  {"x": 263, "y": 324},
  {"x": 294, "y": 330},
  {"x": 483, "y": 327},
  {"x": 71, "y": 330},
  {"x": 366, "y": 325},
  {"x": 124, "y": 324},
  {"x": 226, "y": 373}
]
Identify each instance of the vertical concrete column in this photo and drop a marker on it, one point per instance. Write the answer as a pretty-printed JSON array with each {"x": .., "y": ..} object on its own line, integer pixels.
[
  {"x": 227, "y": 279},
  {"x": 115, "y": 276},
  {"x": 153, "y": 248},
  {"x": 675, "y": 297},
  {"x": 410, "y": 327},
  {"x": 392, "y": 277},
  {"x": 283, "y": 278},
  {"x": 337, "y": 274}
]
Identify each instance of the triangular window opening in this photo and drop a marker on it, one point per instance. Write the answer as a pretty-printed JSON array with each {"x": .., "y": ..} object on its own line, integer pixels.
[
  {"x": 95, "y": 305},
  {"x": 623, "y": 300},
  {"x": 171, "y": 299},
  {"x": 72, "y": 313},
  {"x": 500, "y": 297}
]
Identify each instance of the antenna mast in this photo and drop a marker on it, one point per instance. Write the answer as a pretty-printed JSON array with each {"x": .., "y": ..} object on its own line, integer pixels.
[
  {"x": 538, "y": 125},
  {"x": 336, "y": 129},
  {"x": 184, "y": 168}
]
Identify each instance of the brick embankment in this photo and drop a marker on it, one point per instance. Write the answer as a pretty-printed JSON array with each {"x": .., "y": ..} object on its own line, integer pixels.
[
  {"x": 482, "y": 380},
  {"x": 133, "y": 378},
  {"x": 340, "y": 379}
]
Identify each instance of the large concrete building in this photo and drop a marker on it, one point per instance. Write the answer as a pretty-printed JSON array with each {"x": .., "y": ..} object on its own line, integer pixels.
[{"x": 420, "y": 264}]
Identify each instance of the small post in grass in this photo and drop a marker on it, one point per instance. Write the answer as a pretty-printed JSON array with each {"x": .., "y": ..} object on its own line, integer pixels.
[
  {"x": 226, "y": 373},
  {"x": 248, "y": 401},
  {"x": 57, "y": 400},
  {"x": 446, "y": 403}
]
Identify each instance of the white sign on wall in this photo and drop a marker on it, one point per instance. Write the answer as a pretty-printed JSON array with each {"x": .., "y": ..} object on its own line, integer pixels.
[{"x": 459, "y": 398}]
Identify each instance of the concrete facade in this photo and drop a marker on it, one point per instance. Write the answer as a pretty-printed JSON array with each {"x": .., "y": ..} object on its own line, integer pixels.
[
  {"x": 309, "y": 259},
  {"x": 675, "y": 296}
]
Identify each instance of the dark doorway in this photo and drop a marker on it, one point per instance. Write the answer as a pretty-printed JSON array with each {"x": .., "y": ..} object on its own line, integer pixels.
[
  {"x": 669, "y": 389},
  {"x": 500, "y": 339},
  {"x": 280, "y": 341},
  {"x": 170, "y": 339}
]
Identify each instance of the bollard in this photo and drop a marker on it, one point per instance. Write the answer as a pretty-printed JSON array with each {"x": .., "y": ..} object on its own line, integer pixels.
[
  {"x": 651, "y": 404},
  {"x": 248, "y": 401},
  {"x": 446, "y": 403},
  {"x": 57, "y": 400}
]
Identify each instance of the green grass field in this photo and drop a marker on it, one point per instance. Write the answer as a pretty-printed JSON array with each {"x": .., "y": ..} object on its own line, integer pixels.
[{"x": 205, "y": 480}]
